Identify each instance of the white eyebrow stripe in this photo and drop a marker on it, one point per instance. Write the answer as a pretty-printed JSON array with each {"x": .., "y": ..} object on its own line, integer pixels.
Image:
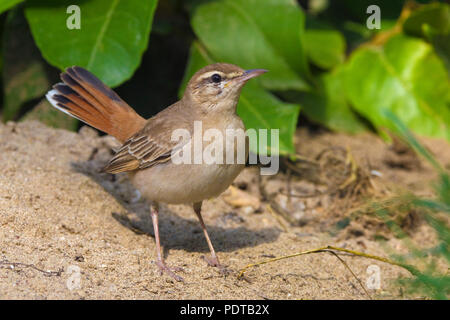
[
  {"x": 209, "y": 74},
  {"x": 224, "y": 75},
  {"x": 235, "y": 74}
]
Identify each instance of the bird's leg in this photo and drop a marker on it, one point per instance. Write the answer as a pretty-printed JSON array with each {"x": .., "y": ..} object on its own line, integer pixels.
[
  {"x": 213, "y": 261},
  {"x": 160, "y": 261}
]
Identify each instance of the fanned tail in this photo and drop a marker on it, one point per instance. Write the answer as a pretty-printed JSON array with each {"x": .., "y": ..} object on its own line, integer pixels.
[{"x": 83, "y": 96}]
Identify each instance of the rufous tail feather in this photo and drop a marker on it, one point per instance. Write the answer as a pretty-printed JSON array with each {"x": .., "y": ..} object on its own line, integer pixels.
[{"x": 83, "y": 96}]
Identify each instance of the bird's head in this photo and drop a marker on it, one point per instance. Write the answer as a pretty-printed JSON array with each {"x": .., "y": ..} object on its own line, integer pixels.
[{"x": 218, "y": 86}]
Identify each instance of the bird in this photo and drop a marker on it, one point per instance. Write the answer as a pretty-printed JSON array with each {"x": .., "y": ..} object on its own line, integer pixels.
[{"x": 147, "y": 152}]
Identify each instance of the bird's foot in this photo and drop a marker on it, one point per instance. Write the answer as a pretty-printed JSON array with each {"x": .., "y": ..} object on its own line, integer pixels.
[
  {"x": 214, "y": 262},
  {"x": 170, "y": 271}
]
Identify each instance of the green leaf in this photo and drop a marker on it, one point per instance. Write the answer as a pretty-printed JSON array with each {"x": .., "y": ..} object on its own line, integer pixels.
[
  {"x": 328, "y": 104},
  {"x": 261, "y": 110},
  {"x": 435, "y": 16},
  {"x": 265, "y": 34},
  {"x": 7, "y": 4},
  {"x": 110, "y": 42},
  {"x": 325, "y": 48},
  {"x": 406, "y": 77},
  {"x": 258, "y": 108}
]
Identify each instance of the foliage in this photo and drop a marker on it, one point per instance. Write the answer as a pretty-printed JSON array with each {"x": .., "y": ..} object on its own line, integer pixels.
[
  {"x": 114, "y": 33},
  {"x": 322, "y": 58},
  {"x": 254, "y": 35},
  {"x": 7, "y": 4},
  {"x": 392, "y": 77},
  {"x": 434, "y": 282}
]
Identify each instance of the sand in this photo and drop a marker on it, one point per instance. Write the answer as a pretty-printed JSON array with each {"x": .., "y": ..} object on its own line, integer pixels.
[{"x": 58, "y": 215}]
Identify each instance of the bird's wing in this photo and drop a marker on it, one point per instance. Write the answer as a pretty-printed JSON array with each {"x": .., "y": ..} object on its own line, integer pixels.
[{"x": 152, "y": 144}]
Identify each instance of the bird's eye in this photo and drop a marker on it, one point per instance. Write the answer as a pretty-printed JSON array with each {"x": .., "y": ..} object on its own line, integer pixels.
[{"x": 216, "y": 78}]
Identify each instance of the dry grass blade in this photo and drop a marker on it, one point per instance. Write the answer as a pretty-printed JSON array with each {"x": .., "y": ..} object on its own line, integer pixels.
[
  {"x": 332, "y": 249},
  {"x": 276, "y": 216},
  {"x": 351, "y": 271},
  {"x": 273, "y": 207}
]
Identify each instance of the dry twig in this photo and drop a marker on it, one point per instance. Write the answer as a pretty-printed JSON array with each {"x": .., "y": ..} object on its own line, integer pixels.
[{"x": 11, "y": 265}]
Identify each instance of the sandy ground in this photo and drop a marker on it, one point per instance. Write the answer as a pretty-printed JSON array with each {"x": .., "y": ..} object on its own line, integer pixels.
[{"x": 57, "y": 213}]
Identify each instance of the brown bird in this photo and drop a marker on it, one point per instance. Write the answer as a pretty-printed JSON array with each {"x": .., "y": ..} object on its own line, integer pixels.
[{"x": 147, "y": 153}]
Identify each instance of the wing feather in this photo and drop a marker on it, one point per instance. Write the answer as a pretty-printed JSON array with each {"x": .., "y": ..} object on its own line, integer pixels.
[{"x": 152, "y": 145}]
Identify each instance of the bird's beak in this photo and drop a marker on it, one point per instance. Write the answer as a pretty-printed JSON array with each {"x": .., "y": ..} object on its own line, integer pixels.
[{"x": 248, "y": 74}]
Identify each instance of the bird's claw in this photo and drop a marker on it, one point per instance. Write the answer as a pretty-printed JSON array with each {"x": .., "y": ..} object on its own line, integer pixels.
[
  {"x": 214, "y": 262},
  {"x": 170, "y": 271}
]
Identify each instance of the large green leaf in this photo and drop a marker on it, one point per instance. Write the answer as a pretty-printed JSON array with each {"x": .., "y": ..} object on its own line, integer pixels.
[
  {"x": 261, "y": 110},
  {"x": 328, "y": 104},
  {"x": 258, "y": 108},
  {"x": 325, "y": 48},
  {"x": 257, "y": 34},
  {"x": 406, "y": 77},
  {"x": 7, "y": 4},
  {"x": 110, "y": 42},
  {"x": 324, "y": 45}
]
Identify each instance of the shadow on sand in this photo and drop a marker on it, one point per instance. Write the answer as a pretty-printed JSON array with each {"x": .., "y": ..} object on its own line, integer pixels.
[{"x": 176, "y": 232}]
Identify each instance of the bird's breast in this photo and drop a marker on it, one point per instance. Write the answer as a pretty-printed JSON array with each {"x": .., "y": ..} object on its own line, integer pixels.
[{"x": 208, "y": 172}]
